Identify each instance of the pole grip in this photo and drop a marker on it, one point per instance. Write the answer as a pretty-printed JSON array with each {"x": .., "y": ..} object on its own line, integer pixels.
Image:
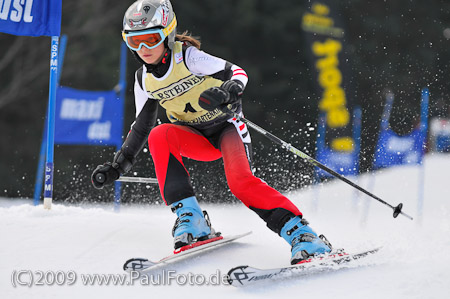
[{"x": 100, "y": 177}]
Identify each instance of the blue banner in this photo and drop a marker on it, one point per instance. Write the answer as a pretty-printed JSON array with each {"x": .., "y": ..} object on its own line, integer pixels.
[
  {"x": 31, "y": 17},
  {"x": 341, "y": 162},
  {"x": 393, "y": 149},
  {"x": 345, "y": 163},
  {"x": 88, "y": 117},
  {"x": 440, "y": 134}
]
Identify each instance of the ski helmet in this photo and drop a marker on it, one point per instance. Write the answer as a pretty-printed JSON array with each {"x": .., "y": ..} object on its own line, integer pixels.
[{"x": 151, "y": 14}]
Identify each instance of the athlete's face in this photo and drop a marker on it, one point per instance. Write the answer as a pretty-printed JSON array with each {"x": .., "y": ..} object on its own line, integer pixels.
[{"x": 152, "y": 56}]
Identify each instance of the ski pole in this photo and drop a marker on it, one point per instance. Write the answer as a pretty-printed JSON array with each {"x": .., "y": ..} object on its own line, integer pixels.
[
  {"x": 130, "y": 179},
  {"x": 397, "y": 210},
  {"x": 100, "y": 177}
]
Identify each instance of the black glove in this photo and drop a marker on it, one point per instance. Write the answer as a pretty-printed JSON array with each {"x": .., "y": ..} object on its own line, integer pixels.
[
  {"x": 122, "y": 163},
  {"x": 104, "y": 175},
  {"x": 213, "y": 97},
  {"x": 228, "y": 93},
  {"x": 109, "y": 172},
  {"x": 235, "y": 88}
]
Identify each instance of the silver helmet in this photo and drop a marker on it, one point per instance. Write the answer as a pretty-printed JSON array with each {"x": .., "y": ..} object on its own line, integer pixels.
[{"x": 147, "y": 14}]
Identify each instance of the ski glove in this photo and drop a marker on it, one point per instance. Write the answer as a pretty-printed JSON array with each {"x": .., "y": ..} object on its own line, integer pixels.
[
  {"x": 109, "y": 172},
  {"x": 235, "y": 89},
  {"x": 104, "y": 175},
  {"x": 228, "y": 93}
]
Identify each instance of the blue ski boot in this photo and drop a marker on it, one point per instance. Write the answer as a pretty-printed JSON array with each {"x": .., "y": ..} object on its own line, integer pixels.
[
  {"x": 192, "y": 224},
  {"x": 303, "y": 239}
]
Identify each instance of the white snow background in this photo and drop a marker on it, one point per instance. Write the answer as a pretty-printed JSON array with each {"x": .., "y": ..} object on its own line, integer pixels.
[{"x": 413, "y": 263}]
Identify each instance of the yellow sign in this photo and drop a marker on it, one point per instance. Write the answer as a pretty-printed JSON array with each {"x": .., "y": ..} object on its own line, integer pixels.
[{"x": 333, "y": 101}]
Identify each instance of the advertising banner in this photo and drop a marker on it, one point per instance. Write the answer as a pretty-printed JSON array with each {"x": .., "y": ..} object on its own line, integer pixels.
[
  {"x": 31, "y": 17},
  {"x": 324, "y": 33},
  {"x": 88, "y": 117}
]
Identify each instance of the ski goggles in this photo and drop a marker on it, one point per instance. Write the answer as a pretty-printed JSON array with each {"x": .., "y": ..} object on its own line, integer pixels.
[{"x": 150, "y": 38}]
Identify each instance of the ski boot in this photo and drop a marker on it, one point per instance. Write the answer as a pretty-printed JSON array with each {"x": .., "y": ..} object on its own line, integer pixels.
[
  {"x": 192, "y": 225},
  {"x": 304, "y": 240}
]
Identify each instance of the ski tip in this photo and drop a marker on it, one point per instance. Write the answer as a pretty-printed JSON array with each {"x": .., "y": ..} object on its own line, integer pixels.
[
  {"x": 135, "y": 264},
  {"x": 376, "y": 249},
  {"x": 242, "y": 276},
  {"x": 236, "y": 275}
]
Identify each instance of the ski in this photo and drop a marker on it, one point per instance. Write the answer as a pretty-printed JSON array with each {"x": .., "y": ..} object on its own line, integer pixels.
[
  {"x": 143, "y": 265},
  {"x": 246, "y": 275}
]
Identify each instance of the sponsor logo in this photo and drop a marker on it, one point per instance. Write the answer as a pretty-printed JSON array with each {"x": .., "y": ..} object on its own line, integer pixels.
[
  {"x": 177, "y": 88},
  {"x": 146, "y": 8},
  {"x": 206, "y": 117},
  {"x": 138, "y": 23},
  {"x": 19, "y": 12},
  {"x": 165, "y": 13},
  {"x": 81, "y": 110},
  {"x": 99, "y": 131},
  {"x": 400, "y": 144},
  {"x": 178, "y": 57},
  {"x": 333, "y": 100}
]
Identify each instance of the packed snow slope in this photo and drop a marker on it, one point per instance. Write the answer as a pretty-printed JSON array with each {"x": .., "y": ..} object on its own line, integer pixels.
[{"x": 84, "y": 241}]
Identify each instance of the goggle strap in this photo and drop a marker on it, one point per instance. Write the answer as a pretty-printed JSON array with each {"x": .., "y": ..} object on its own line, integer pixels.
[{"x": 171, "y": 26}]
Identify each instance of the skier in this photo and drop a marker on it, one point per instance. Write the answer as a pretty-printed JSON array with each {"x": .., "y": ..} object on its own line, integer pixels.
[{"x": 194, "y": 87}]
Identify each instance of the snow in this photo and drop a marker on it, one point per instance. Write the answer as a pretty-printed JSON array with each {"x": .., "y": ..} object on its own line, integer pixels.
[{"x": 88, "y": 240}]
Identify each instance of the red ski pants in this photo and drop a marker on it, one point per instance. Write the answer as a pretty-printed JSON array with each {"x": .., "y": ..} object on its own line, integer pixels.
[{"x": 168, "y": 143}]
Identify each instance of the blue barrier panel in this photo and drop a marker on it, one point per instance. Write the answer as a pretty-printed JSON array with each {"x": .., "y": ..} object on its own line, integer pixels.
[
  {"x": 393, "y": 149},
  {"x": 343, "y": 162},
  {"x": 88, "y": 117}
]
